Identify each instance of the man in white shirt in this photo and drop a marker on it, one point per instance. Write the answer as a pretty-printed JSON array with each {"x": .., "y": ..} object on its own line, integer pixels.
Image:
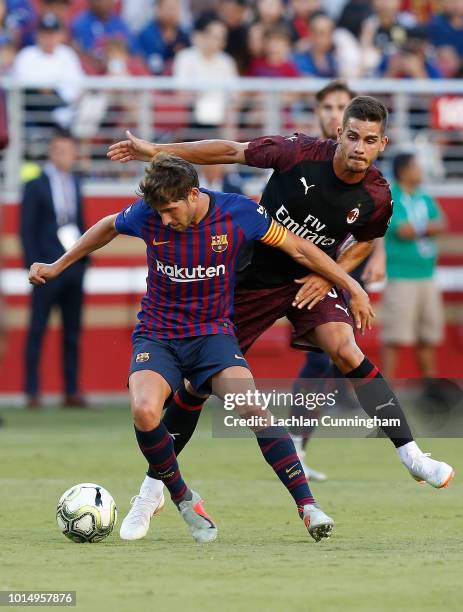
[
  {"x": 206, "y": 61},
  {"x": 53, "y": 68}
]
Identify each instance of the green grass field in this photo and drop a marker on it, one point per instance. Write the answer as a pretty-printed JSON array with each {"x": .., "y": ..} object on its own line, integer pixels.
[{"x": 397, "y": 545}]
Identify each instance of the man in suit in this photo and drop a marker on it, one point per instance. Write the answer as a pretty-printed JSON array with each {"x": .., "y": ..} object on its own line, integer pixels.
[{"x": 51, "y": 221}]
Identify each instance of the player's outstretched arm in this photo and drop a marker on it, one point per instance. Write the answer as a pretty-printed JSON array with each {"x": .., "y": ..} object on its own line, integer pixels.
[
  {"x": 199, "y": 152},
  {"x": 94, "y": 238},
  {"x": 310, "y": 256}
]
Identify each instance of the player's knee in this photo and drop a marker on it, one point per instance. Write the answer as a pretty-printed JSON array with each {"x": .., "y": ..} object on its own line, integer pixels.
[
  {"x": 146, "y": 414},
  {"x": 347, "y": 355},
  {"x": 251, "y": 412}
]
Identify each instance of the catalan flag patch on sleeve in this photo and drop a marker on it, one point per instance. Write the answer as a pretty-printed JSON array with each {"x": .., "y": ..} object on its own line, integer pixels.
[{"x": 275, "y": 235}]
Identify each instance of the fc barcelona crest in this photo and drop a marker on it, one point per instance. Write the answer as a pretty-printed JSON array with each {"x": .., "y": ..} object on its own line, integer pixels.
[{"x": 219, "y": 243}]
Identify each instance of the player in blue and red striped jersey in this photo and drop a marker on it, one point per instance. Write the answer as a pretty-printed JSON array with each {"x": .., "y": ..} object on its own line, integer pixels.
[{"x": 185, "y": 328}]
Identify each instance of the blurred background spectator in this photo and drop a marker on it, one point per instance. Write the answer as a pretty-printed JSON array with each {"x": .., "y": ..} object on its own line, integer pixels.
[
  {"x": 319, "y": 59},
  {"x": 219, "y": 178},
  {"x": 51, "y": 221},
  {"x": 301, "y": 12},
  {"x": 120, "y": 62},
  {"x": 234, "y": 15},
  {"x": 331, "y": 52},
  {"x": 163, "y": 37},
  {"x": 276, "y": 60},
  {"x": 410, "y": 59},
  {"x": 412, "y": 305},
  {"x": 383, "y": 32},
  {"x": 20, "y": 20},
  {"x": 91, "y": 29},
  {"x": 206, "y": 60},
  {"x": 59, "y": 8},
  {"x": 50, "y": 61},
  {"x": 446, "y": 29},
  {"x": 138, "y": 14}
]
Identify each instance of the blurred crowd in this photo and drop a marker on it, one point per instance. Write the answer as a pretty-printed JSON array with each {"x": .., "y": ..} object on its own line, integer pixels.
[{"x": 261, "y": 38}]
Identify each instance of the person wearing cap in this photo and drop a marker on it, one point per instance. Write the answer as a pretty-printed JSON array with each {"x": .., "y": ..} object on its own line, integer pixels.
[
  {"x": 51, "y": 66},
  {"x": 59, "y": 8}
]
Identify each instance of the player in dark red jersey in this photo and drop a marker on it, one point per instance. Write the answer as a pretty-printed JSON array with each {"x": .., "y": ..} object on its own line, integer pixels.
[
  {"x": 323, "y": 191},
  {"x": 185, "y": 329},
  {"x": 331, "y": 102}
]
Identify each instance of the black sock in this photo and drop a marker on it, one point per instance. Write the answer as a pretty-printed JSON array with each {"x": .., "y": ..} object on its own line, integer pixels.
[
  {"x": 180, "y": 418},
  {"x": 377, "y": 399}
]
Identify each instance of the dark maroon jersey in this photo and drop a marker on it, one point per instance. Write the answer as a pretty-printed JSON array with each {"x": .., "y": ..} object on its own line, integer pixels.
[{"x": 306, "y": 196}]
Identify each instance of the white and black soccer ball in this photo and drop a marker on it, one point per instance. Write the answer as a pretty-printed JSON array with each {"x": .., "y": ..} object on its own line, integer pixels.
[{"x": 86, "y": 513}]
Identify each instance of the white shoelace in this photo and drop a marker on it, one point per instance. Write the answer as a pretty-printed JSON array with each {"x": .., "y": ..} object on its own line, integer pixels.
[
  {"x": 418, "y": 457},
  {"x": 141, "y": 505}
]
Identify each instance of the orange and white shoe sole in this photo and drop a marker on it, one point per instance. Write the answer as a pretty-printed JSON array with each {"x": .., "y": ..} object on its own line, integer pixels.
[
  {"x": 444, "y": 485},
  {"x": 446, "y": 482}
]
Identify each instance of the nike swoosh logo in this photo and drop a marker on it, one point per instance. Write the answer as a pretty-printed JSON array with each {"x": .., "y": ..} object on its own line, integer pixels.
[
  {"x": 159, "y": 243},
  {"x": 239, "y": 357},
  {"x": 288, "y": 470}
]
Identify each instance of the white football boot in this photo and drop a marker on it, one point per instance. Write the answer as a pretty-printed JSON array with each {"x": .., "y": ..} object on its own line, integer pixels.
[
  {"x": 318, "y": 524},
  {"x": 423, "y": 468},
  {"x": 148, "y": 503}
]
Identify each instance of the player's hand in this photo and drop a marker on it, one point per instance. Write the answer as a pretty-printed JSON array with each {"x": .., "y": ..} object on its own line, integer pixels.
[
  {"x": 375, "y": 270},
  {"x": 361, "y": 310},
  {"x": 314, "y": 289},
  {"x": 132, "y": 149},
  {"x": 40, "y": 273}
]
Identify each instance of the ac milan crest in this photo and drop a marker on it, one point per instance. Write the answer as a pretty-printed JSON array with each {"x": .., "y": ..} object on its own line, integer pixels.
[{"x": 353, "y": 215}]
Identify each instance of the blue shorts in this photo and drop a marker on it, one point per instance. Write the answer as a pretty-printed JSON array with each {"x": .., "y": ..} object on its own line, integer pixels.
[{"x": 196, "y": 359}]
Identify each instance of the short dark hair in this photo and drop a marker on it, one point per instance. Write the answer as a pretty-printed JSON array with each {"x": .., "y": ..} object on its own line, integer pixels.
[
  {"x": 331, "y": 88},
  {"x": 400, "y": 162},
  {"x": 316, "y": 14},
  {"x": 61, "y": 134},
  {"x": 167, "y": 179},
  {"x": 205, "y": 19},
  {"x": 366, "y": 108},
  {"x": 278, "y": 31}
]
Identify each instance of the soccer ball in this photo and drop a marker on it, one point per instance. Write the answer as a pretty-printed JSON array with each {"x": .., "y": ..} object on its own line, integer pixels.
[{"x": 86, "y": 513}]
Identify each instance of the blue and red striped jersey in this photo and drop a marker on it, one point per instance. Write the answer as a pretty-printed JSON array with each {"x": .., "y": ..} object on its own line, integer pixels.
[{"x": 191, "y": 274}]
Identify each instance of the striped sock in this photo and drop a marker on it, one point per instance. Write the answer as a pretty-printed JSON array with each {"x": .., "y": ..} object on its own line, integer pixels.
[
  {"x": 279, "y": 452},
  {"x": 158, "y": 448},
  {"x": 378, "y": 400}
]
